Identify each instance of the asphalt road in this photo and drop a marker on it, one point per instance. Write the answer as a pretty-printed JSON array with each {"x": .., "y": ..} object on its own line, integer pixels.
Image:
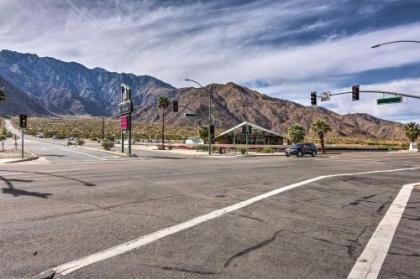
[
  {"x": 57, "y": 151},
  {"x": 54, "y": 213}
]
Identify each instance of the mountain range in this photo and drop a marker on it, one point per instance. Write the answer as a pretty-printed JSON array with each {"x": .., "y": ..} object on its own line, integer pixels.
[{"x": 44, "y": 86}]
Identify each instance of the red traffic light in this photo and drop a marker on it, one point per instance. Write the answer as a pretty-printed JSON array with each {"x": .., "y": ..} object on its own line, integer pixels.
[
  {"x": 355, "y": 92},
  {"x": 313, "y": 98}
]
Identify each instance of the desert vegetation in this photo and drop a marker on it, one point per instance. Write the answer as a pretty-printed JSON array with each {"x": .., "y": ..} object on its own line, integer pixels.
[{"x": 92, "y": 129}]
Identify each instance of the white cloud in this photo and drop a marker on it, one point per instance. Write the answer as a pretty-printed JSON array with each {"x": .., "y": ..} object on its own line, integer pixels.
[
  {"x": 406, "y": 111},
  {"x": 208, "y": 42}
]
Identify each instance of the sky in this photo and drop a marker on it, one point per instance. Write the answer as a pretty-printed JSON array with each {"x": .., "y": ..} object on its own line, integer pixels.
[{"x": 285, "y": 49}]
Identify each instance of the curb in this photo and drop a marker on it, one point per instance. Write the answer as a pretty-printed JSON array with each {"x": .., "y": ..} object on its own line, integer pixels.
[
  {"x": 108, "y": 151},
  {"x": 32, "y": 158}
]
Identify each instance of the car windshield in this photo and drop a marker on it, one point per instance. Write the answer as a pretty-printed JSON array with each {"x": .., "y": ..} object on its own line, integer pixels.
[{"x": 295, "y": 146}]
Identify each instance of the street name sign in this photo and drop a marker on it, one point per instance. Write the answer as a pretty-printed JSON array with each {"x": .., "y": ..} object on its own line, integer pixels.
[
  {"x": 389, "y": 100},
  {"x": 325, "y": 96},
  {"x": 190, "y": 114}
]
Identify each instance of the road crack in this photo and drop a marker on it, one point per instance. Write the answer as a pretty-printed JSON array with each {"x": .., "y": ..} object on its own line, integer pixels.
[
  {"x": 252, "y": 248},
  {"x": 250, "y": 217}
]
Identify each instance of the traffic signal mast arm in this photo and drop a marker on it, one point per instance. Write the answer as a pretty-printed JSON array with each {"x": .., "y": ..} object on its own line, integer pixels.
[{"x": 379, "y": 92}]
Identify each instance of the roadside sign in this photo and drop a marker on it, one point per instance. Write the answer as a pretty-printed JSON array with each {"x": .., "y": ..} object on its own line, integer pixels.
[
  {"x": 389, "y": 100},
  {"x": 190, "y": 114},
  {"x": 325, "y": 96},
  {"x": 125, "y": 107},
  {"x": 23, "y": 121},
  {"x": 124, "y": 122}
]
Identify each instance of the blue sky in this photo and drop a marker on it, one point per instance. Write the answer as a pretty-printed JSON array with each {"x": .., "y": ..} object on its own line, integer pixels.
[{"x": 282, "y": 48}]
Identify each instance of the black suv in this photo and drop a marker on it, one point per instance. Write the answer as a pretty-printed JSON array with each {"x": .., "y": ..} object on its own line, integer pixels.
[{"x": 301, "y": 149}]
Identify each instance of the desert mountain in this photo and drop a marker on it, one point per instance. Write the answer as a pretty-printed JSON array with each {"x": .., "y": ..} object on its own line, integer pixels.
[
  {"x": 71, "y": 88},
  {"x": 44, "y": 86},
  {"x": 18, "y": 102},
  {"x": 233, "y": 104}
]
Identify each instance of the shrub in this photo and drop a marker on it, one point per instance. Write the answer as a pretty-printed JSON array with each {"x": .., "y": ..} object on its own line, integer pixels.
[
  {"x": 202, "y": 148},
  {"x": 80, "y": 142},
  {"x": 242, "y": 150},
  {"x": 267, "y": 149},
  {"x": 107, "y": 144}
]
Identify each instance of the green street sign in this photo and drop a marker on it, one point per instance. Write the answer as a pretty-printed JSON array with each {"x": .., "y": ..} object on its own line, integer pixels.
[
  {"x": 190, "y": 114},
  {"x": 390, "y": 100}
]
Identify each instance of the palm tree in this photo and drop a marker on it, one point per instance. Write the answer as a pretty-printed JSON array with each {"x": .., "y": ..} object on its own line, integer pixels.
[
  {"x": 321, "y": 128},
  {"x": 412, "y": 131},
  {"x": 163, "y": 104}
]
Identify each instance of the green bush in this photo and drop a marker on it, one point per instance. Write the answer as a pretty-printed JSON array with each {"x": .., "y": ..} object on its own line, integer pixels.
[
  {"x": 80, "y": 142},
  {"x": 242, "y": 150},
  {"x": 202, "y": 148},
  {"x": 267, "y": 149},
  {"x": 107, "y": 144}
]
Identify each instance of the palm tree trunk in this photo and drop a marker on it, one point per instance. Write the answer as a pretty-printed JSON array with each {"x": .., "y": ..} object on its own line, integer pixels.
[
  {"x": 163, "y": 128},
  {"x": 321, "y": 137}
]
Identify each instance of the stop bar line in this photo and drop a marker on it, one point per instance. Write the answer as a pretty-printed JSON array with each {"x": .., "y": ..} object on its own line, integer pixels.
[{"x": 72, "y": 266}]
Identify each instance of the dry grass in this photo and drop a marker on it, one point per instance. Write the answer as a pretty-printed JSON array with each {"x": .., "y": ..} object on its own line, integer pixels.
[{"x": 91, "y": 128}]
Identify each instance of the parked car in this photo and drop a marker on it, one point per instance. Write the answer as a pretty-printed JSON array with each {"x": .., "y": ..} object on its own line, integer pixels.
[{"x": 301, "y": 149}]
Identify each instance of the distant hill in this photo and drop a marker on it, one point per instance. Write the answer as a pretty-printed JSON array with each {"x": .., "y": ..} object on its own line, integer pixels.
[
  {"x": 18, "y": 102},
  {"x": 45, "y": 86},
  {"x": 233, "y": 104},
  {"x": 71, "y": 88}
]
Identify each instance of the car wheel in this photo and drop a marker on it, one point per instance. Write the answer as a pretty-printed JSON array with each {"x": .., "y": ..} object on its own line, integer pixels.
[
  {"x": 313, "y": 154},
  {"x": 299, "y": 154},
  {"x": 287, "y": 155}
]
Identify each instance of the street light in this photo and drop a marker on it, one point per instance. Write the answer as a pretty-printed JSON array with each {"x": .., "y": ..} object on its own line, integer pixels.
[
  {"x": 209, "y": 127},
  {"x": 395, "y": 42}
]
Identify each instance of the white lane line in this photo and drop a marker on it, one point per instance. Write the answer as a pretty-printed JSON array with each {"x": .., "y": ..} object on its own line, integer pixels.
[
  {"x": 72, "y": 266},
  {"x": 83, "y": 153},
  {"x": 369, "y": 264}
]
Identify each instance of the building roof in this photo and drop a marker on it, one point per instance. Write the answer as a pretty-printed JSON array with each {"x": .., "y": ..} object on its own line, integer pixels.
[{"x": 248, "y": 124}]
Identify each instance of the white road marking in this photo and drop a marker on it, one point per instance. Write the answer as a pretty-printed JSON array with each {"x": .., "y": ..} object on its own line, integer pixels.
[
  {"x": 83, "y": 153},
  {"x": 369, "y": 264},
  {"x": 72, "y": 266}
]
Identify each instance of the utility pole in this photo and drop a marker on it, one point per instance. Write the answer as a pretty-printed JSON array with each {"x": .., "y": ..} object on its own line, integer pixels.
[
  {"x": 210, "y": 120},
  {"x": 103, "y": 127}
]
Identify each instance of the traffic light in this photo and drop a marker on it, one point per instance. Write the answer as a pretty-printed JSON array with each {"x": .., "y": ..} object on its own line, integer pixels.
[
  {"x": 23, "y": 121},
  {"x": 175, "y": 106},
  {"x": 355, "y": 92},
  {"x": 212, "y": 131},
  {"x": 2, "y": 95},
  {"x": 313, "y": 98}
]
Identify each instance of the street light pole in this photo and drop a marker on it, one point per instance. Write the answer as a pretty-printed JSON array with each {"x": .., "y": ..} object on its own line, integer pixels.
[
  {"x": 395, "y": 42},
  {"x": 209, "y": 125}
]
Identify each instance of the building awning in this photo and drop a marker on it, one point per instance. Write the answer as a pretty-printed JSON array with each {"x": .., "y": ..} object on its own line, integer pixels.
[{"x": 254, "y": 126}]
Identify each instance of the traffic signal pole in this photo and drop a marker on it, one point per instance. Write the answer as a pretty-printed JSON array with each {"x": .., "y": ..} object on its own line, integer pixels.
[{"x": 23, "y": 145}]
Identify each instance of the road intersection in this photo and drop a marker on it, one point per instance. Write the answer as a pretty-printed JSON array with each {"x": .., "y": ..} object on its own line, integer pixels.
[{"x": 267, "y": 217}]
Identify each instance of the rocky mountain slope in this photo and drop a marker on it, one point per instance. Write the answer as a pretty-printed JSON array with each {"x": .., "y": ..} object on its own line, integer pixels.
[
  {"x": 233, "y": 104},
  {"x": 71, "y": 88},
  {"x": 18, "y": 102},
  {"x": 44, "y": 86}
]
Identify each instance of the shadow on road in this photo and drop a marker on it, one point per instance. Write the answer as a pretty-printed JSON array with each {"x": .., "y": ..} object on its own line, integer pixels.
[
  {"x": 84, "y": 183},
  {"x": 18, "y": 192}
]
